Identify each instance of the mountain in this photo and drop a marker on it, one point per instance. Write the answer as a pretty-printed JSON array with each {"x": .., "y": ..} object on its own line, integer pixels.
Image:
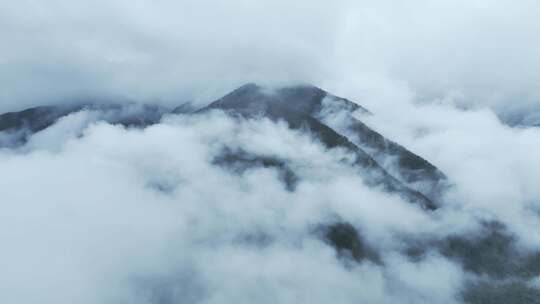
[
  {"x": 380, "y": 161},
  {"x": 18, "y": 127},
  {"x": 303, "y": 107},
  {"x": 21, "y": 125},
  {"x": 318, "y": 104}
]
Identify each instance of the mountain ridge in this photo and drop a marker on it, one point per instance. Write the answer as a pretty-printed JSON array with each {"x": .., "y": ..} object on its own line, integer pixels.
[{"x": 302, "y": 107}]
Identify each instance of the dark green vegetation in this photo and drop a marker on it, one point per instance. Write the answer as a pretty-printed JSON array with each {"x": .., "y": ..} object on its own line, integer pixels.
[
  {"x": 491, "y": 252},
  {"x": 501, "y": 293},
  {"x": 239, "y": 161},
  {"x": 348, "y": 243}
]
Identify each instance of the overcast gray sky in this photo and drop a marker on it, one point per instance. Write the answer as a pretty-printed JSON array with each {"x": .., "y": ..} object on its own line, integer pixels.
[{"x": 473, "y": 52}]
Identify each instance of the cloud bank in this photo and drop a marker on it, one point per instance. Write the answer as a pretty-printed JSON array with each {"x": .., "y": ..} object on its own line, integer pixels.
[
  {"x": 140, "y": 215},
  {"x": 146, "y": 215}
]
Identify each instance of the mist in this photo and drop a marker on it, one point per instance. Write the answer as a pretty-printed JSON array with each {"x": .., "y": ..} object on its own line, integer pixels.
[
  {"x": 129, "y": 215},
  {"x": 477, "y": 53},
  {"x": 97, "y": 210}
]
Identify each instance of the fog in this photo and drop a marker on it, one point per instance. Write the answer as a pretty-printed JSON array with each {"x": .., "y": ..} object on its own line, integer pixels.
[
  {"x": 95, "y": 212},
  {"x": 101, "y": 213},
  {"x": 478, "y": 53},
  {"x": 132, "y": 216}
]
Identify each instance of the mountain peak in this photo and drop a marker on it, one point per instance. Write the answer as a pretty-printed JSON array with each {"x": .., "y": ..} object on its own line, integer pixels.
[
  {"x": 307, "y": 99},
  {"x": 304, "y": 107}
]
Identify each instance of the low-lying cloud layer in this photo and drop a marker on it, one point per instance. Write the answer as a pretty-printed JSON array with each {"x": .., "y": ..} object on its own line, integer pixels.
[
  {"x": 129, "y": 215},
  {"x": 97, "y": 213}
]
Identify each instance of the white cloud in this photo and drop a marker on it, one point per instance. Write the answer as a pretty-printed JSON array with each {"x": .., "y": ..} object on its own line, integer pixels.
[
  {"x": 91, "y": 209},
  {"x": 172, "y": 51}
]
